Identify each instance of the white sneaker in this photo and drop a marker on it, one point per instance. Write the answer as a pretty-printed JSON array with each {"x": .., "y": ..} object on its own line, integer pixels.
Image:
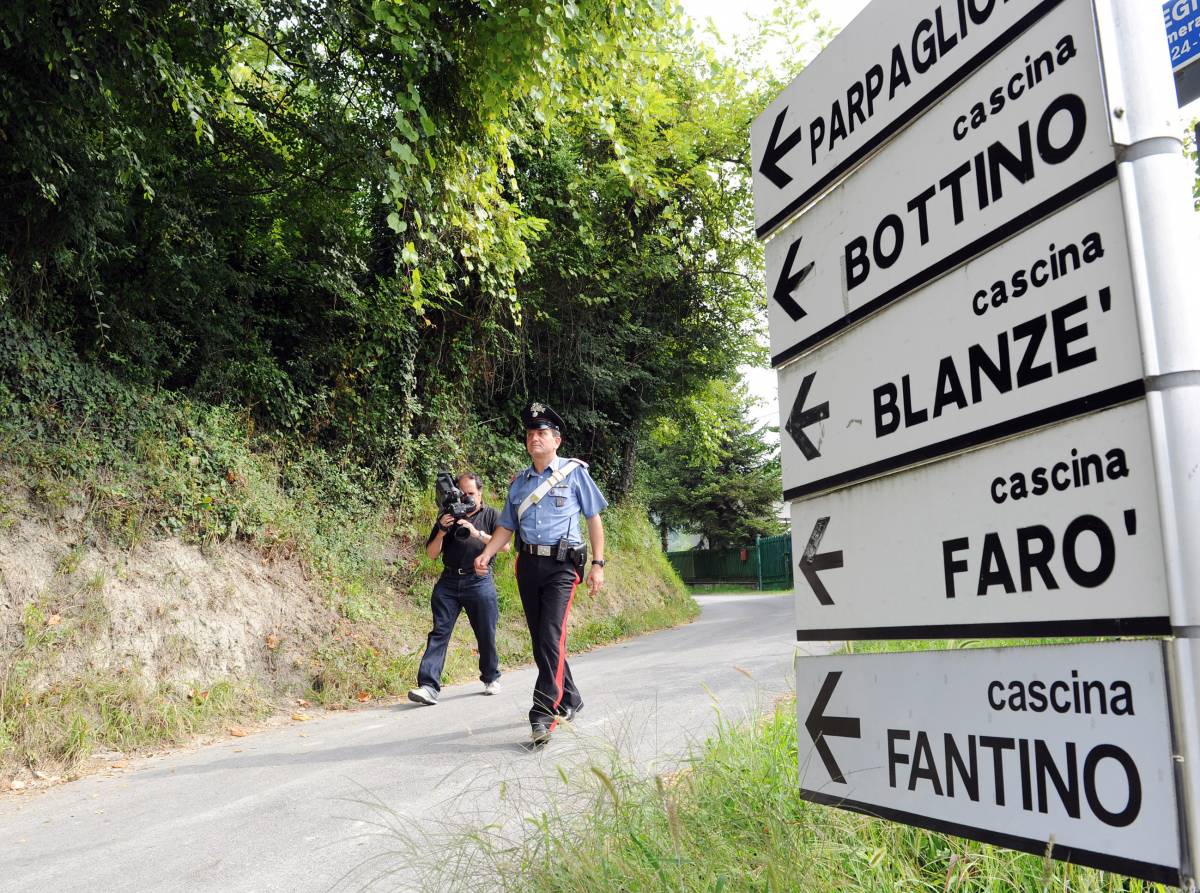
[
  {"x": 423, "y": 695},
  {"x": 491, "y": 688}
]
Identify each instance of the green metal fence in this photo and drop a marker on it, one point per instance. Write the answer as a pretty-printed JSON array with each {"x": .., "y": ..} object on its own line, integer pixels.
[
  {"x": 767, "y": 563},
  {"x": 775, "y": 561}
]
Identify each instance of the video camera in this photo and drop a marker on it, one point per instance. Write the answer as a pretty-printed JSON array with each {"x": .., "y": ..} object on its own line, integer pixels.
[{"x": 454, "y": 503}]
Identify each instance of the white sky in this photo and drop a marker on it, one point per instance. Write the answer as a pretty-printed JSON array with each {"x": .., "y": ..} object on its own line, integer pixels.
[{"x": 730, "y": 19}]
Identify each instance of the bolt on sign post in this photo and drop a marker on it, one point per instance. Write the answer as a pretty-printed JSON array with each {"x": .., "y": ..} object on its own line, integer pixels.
[{"x": 989, "y": 369}]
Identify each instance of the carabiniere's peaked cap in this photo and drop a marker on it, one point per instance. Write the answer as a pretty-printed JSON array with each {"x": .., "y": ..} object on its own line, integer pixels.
[{"x": 539, "y": 415}]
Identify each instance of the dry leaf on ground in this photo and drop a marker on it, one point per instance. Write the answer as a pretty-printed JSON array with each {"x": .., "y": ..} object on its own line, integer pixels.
[
  {"x": 237, "y": 732},
  {"x": 300, "y": 717}
]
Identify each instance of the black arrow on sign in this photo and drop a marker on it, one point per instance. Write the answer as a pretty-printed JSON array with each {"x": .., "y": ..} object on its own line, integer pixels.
[
  {"x": 776, "y": 150},
  {"x": 821, "y": 726},
  {"x": 801, "y": 418},
  {"x": 811, "y": 563},
  {"x": 789, "y": 282}
]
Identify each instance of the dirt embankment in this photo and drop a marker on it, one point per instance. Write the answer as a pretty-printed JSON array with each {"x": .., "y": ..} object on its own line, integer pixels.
[
  {"x": 105, "y": 649},
  {"x": 165, "y": 612}
]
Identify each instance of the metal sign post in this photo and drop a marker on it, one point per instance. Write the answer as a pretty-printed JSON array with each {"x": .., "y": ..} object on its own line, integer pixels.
[
  {"x": 1182, "y": 20},
  {"x": 1163, "y": 238}
]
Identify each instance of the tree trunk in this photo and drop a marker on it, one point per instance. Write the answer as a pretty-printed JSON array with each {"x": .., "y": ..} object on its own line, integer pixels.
[
  {"x": 663, "y": 532},
  {"x": 628, "y": 461}
]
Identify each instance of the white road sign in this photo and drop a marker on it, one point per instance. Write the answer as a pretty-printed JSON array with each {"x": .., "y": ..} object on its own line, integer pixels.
[
  {"x": 1039, "y": 330},
  {"x": 1065, "y": 749},
  {"x": 1054, "y": 533},
  {"x": 1021, "y": 138},
  {"x": 884, "y": 69}
]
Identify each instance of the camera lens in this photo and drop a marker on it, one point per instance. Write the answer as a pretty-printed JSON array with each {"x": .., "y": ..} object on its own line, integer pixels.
[{"x": 460, "y": 532}]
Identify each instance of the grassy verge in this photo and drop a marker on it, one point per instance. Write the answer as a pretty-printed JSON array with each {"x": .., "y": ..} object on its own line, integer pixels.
[
  {"x": 105, "y": 470},
  {"x": 732, "y": 821},
  {"x": 882, "y": 646},
  {"x": 67, "y": 722}
]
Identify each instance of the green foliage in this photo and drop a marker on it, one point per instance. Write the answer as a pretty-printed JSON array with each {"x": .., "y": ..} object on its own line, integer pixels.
[
  {"x": 878, "y": 646},
  {"x": 1189, "y": 151},
  {"x": 139, "y": 463},
  {"x": 648, "y": 289},
  {"x": 709, "y": 471},
  {"x": 367, "y": 225}
]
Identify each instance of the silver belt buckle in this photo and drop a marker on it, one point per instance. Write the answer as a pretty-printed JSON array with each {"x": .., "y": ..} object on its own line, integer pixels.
[{"x": 544, "y": 551}]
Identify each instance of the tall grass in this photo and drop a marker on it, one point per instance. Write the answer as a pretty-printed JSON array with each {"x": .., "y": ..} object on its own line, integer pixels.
[{"x": 732, "y": 821}]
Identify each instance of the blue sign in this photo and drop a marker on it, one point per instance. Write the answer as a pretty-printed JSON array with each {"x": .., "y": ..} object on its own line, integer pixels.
[{"x": 1182, "y": 18}]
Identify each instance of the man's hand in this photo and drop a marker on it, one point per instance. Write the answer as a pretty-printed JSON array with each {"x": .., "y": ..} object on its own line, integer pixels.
[
  {"x": 446, "y": 522},
  {"x": 500, "y": 537},
  {"x": 471, "y": 528},
  {"x": 595, "y": 579}
]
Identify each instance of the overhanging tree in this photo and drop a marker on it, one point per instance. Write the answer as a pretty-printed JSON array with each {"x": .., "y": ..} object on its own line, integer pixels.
[{"x": 709, "y": 470}]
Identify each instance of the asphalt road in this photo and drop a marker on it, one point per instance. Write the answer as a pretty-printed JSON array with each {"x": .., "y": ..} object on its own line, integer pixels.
[{"x": 376, "y": 799}]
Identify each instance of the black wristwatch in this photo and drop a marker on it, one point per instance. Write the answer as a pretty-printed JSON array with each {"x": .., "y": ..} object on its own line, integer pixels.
[{"x": 599, "y": 562}]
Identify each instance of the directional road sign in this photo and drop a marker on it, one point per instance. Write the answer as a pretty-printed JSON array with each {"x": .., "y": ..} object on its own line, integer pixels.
[
  {"x": 1059, "y": 749},
  {"x": 886, "y": 68},
  {"x": 1039, "y": 330},
  {"x": 1182, "y": 20},
  {"x": 1053, "y": 533},
  {"x": 1025, "y": 135}
]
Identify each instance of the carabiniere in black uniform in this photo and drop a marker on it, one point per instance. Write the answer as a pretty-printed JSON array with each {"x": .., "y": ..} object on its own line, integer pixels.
[{"x": 544, "y": 507}]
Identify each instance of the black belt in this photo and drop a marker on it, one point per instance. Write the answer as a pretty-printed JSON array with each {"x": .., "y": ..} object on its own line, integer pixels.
[
  {"x": 458, "y": 571},
  {"x": 544, "y": 551}
]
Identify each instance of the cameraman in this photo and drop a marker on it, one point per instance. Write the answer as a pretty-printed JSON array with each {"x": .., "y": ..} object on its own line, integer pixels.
[{"x": 459, "y": 588}]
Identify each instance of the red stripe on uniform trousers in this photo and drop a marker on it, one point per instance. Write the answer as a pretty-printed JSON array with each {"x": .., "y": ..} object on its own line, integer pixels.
[{"x": 562, "y": 653}]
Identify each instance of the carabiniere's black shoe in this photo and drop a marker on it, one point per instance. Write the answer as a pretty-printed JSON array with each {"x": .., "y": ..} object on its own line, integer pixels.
[{"x": 540, "y": 731}]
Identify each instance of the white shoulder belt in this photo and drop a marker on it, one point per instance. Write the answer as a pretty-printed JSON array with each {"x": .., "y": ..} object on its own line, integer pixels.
[{"x": 556, "y": 478}]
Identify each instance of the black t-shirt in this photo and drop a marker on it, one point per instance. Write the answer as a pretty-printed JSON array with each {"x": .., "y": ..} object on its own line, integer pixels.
[{"x": 462, "y": 553}]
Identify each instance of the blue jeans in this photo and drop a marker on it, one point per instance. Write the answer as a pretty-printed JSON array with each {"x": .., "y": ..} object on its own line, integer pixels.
[{"x": 477, "y": 596}]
